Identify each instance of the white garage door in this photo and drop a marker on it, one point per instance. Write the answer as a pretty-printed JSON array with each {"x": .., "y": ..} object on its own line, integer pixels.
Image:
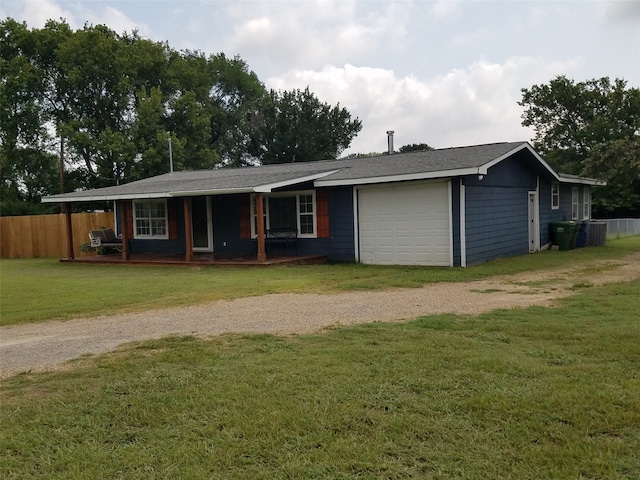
[{"x": 405, "y": 224}]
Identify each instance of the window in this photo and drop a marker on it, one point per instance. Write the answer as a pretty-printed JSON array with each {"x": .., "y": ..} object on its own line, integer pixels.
[
  {"x": 555, "y": 195},
  {"x": 295, "y": 210},
  {"x": 306, "y": 215},
  {"x": 586, "y": 203},
  {"x": 150, "y": 219},
  {"x": 574, "y": 203}
]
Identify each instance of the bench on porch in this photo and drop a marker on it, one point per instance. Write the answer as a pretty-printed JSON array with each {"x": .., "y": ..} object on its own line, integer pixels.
[
  {"x": 281, "y": 236},
  {"x": 105, "y": 238}
]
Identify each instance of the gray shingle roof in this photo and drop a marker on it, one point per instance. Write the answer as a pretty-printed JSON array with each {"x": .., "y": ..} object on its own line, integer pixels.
[{"x": 401, "y": 166}]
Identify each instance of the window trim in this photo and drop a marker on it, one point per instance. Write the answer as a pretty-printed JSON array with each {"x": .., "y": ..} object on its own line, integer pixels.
[
  {"x": 575, "y": 203},
  {"x": 555, "y": 195},
  {"x": 137, "y": 235},
  {"x": 586, "y": 203},
  {"x": 297, "y": 194}
]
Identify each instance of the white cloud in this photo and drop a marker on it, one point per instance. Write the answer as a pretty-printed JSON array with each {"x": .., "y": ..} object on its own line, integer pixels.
[
  {"x": 476, "y": 104},
  {"x": 116, "y": 20},
  {"x": 444, "y": 8},
  {"x": 311, "y": 33},
  {"x": 620, "y": 11},
  {"x": 37, "y": 12}
]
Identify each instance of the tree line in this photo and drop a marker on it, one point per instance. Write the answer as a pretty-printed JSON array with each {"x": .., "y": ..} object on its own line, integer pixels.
[
  {"x": 590, "y": 128},
  {"x": 90, "y": 108},
  {"x": 102, "y": 108}
]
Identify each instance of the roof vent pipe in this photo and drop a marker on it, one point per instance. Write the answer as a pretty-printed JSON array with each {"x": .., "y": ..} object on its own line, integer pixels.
[{"x": 390, "y": 141}]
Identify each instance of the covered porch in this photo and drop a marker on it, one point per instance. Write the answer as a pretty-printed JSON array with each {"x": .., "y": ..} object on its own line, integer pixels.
[{"x": 191, "y": 255}]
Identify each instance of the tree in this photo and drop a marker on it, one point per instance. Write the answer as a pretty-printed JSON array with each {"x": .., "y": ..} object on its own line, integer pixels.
[
  {"x": 27, "y": 171},
  {"x": 296, "y": 127},
  {"x": 579, "y": 125},
  {"x": 618, "y": 163},
  {"x": 114, "y": 100},
  {"x": 237, "y": 98},
  {"x": 415, "y": 147}
]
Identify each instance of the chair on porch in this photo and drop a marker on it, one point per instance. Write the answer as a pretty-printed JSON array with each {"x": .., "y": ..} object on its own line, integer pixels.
[{"x": 105, "y": 238}]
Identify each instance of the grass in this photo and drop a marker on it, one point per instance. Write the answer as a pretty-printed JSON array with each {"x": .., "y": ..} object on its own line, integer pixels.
[
  {"x": 61, "y": 291},
  {"x": 531, "y": 393}
]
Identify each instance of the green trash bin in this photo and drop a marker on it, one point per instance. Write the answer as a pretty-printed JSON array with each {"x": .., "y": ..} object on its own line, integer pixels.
[{"x": 564, "y": 234}]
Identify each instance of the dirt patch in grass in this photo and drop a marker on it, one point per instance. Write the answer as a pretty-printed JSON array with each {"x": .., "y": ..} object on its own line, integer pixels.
[{"x": 48, "y": 345}]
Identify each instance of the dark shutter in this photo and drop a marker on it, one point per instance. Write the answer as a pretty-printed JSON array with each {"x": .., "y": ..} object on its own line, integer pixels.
[{"x": 322, "y": 214}]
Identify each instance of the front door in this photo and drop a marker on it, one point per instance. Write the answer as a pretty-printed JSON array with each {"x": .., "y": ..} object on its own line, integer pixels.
[{"x": 201, "y": 224}]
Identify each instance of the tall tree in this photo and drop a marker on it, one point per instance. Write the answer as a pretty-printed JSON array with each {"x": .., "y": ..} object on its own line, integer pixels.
[
  {"x": 578, "y": 125},
  {"x": 618, "y": 163},
  {"x": 113, "y": 102},
  {"x": 94, "y": 64},
  {"x": 236, "y": 98},
  {"x": 297, "y": 127},
  {"x": 27, "y": 170}
]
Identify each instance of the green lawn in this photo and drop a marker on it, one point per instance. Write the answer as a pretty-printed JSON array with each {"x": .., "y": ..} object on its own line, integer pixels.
[
  {"x": 538, "y": 393},
  {"x": 523, "y": 394},
  {"x": 36, "y": 290}
]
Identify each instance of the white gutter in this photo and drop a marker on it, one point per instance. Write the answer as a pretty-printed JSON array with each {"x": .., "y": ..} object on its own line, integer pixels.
[
  {"x": 581, "y": 180},
  {"x": 402, "y": 178},
  {"x": 99, "y": 198}
]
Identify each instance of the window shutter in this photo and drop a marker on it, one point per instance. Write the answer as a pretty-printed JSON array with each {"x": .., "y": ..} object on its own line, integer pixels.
[
  {"x": 245, "y": 217},
  {"x": 322, "y": 214},
  {"x": 172, "y": 216}
]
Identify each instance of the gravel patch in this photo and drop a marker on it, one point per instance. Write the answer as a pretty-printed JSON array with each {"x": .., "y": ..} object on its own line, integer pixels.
[{"x": 47, "y": 345}]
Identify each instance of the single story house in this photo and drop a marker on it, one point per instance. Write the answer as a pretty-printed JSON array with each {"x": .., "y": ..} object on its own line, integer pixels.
[{"x": 446, "y": 207}]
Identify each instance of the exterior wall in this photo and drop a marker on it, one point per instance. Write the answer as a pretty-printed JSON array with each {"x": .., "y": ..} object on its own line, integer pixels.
[
  {"x": 496, "y": 223},
  {"x": 340, "y": 246},
  {"x": 563, "y": 213},
  {"x": 227, "y": 241},
  {"x": 455, "y": 221},
  {"x": 226, "y": 211},
  {"x": 167, "y": 246},
  {"x": 496, "y": 212}
]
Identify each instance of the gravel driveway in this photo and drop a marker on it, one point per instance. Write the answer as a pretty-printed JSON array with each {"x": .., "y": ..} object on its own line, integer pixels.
[{"x": 47, "y": 345}]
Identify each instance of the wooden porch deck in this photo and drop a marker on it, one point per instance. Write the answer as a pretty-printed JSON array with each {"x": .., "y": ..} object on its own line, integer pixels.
[{"x": 199, "y": 260}]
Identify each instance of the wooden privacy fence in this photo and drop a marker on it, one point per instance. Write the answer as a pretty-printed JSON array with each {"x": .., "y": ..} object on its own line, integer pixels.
[{"x": 46, "y": 235}]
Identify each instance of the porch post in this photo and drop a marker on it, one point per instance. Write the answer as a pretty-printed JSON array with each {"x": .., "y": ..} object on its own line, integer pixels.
[
  {"x": 125, "y": 214},
  {"x": 69, "y": 229},
  {"x": 188, "y": 232},
  {"x": 262, "y": 254}
]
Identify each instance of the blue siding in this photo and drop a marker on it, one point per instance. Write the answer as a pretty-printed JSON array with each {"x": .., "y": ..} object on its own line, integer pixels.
[
  {"x": 163, "y": 246},
  {"x": 563, "y": 213},
  {"x": 341, "y": 218},
  {"x": 547, "y": 215},
  {"x": 340, "y": 246},
  {"x": 455, "y": 221},
  {"x": 226, "y": 212},
  {"x": 496, "y": 211},
  {"x": 496, "y": 223}
]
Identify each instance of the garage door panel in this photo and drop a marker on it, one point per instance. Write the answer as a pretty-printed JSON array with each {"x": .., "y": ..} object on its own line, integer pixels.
[{"x": 405, "y": 224}]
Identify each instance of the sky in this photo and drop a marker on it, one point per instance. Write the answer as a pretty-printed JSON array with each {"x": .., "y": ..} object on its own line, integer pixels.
[{"x": 443, "y": 72}]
